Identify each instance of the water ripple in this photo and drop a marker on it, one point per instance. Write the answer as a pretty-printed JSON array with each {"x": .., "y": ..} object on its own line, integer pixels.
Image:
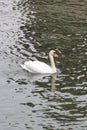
[{"x": 28, "y": 30}]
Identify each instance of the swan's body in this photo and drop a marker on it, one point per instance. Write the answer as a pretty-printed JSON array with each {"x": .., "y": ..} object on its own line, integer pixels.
[{"x": 41, "y": 67}]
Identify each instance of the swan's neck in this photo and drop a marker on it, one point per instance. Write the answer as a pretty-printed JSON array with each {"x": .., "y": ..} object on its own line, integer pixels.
[{"x": 52, "y": 64}]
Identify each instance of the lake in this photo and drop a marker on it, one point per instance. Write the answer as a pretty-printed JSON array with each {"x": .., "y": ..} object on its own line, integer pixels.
[{"x": 29, "y": 29}]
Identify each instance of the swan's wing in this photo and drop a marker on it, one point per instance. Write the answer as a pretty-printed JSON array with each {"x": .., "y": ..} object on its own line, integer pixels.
[{"x": 37, "y": 67}]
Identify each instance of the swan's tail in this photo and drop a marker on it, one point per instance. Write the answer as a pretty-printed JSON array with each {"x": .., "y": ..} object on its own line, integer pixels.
[{"x": 23, "y": 66}]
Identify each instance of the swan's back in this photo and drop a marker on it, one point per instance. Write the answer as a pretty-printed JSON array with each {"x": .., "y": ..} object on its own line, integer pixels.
[{"x": 37, "y": 67}]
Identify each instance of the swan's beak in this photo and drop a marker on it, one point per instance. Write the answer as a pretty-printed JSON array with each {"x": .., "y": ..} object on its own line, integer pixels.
[{"x": 55, "y": 54}]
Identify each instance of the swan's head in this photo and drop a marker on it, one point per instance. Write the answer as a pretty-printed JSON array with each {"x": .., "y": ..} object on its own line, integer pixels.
[{"x": 53, "y": 53}]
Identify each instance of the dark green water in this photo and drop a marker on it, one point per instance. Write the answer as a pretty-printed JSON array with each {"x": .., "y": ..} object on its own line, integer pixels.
[{"x": 28, "y": 30}]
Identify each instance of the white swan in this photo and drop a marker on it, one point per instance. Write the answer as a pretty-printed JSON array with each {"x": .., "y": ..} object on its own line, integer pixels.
[{"x": 41, "y": 67}]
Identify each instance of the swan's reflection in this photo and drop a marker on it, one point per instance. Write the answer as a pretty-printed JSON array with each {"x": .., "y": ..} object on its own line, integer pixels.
[
  {"x": 53, "y": 79},
  {"x": 34, "y": 78}
]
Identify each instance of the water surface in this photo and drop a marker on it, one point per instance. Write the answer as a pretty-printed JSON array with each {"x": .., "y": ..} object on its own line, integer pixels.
[{"x": 28, "y": 30}]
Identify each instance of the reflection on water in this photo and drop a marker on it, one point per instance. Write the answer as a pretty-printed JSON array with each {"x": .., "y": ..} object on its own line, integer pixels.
[
  {"x": 28, "y": 30},
  {"x": 53, "y": 78}
]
